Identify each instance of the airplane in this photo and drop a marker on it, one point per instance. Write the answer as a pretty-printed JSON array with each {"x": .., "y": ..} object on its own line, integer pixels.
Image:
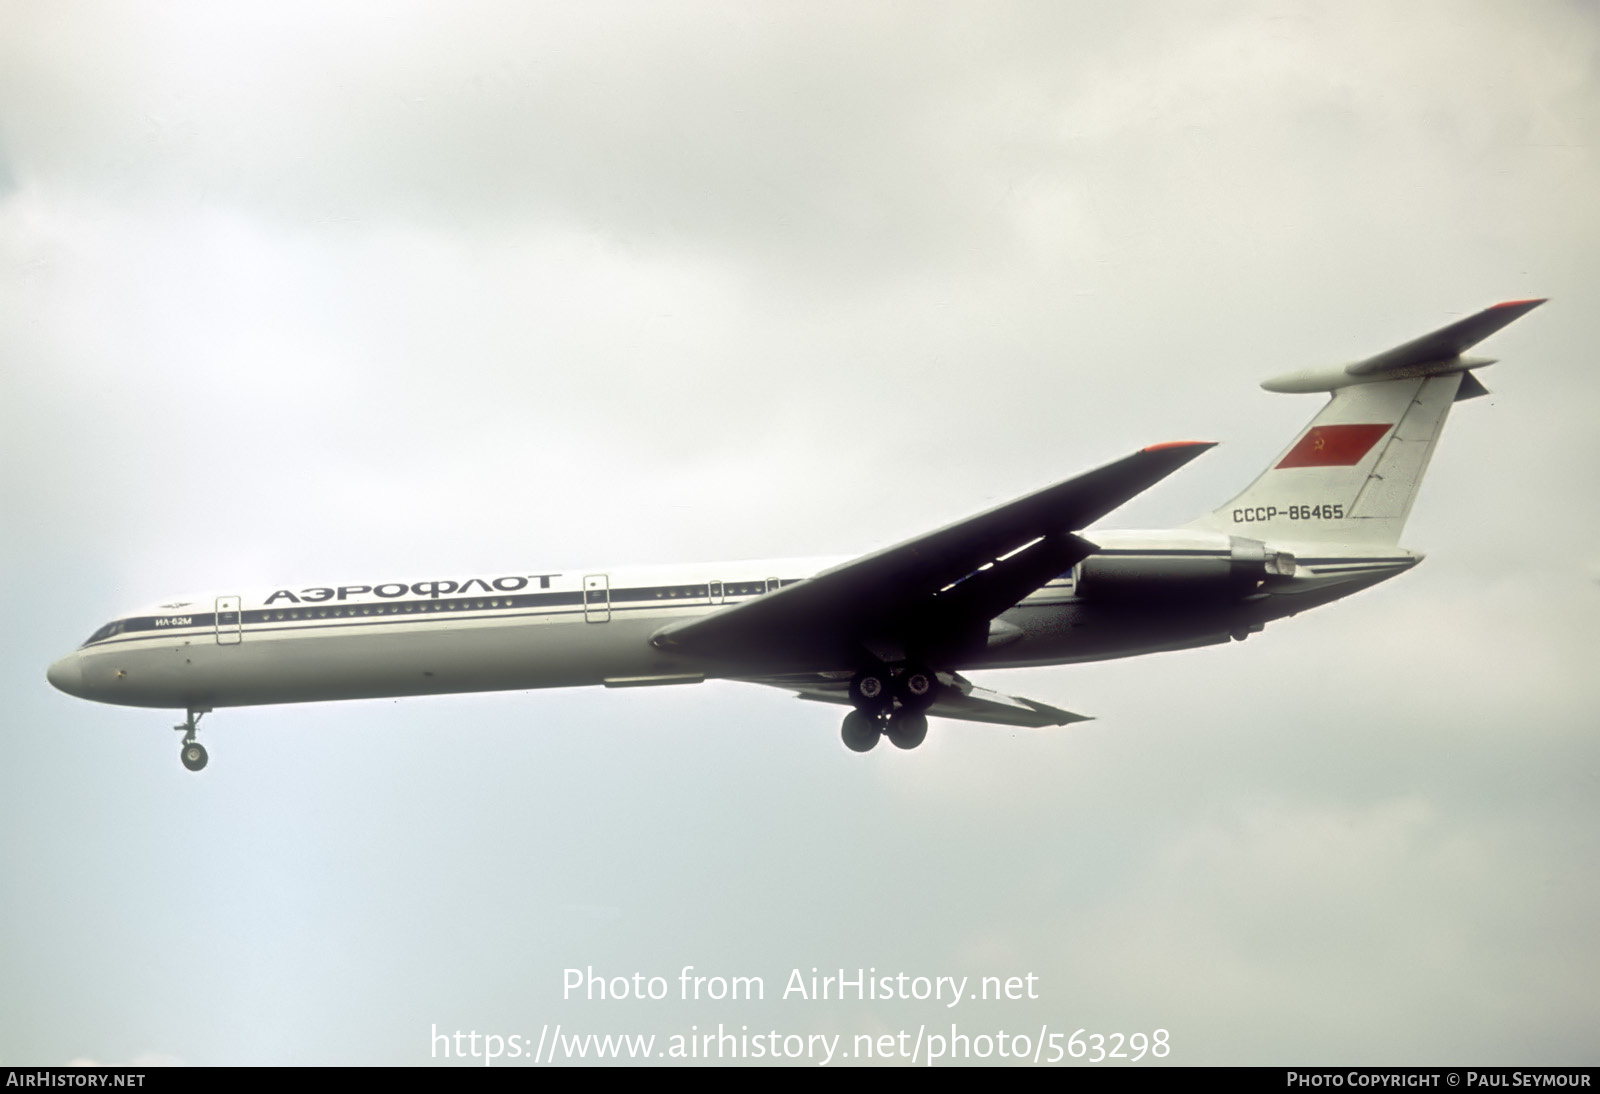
[{"x": 889, "y": 634}]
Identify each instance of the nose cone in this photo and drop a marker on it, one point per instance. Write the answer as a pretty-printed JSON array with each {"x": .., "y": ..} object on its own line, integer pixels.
[{"x": 67, "y": 675}]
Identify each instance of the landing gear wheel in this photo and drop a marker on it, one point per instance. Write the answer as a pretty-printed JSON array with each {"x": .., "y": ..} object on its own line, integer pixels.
[
  {"x": 860, "y": 731},
  {"x": 869, "y": 691},
  {"x": 916, "y": 687},
  {"x": 193, "y": 755},
  {"x": 907, "y": 729}
]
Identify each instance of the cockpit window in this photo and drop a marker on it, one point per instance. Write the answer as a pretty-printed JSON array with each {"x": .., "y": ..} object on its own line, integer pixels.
[{"x": 106, "y": 632}]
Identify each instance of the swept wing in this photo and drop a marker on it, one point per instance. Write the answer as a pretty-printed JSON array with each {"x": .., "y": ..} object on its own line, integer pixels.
[
  {"x": 959, "y": 698},
  {"x": 937, "y": 592}
]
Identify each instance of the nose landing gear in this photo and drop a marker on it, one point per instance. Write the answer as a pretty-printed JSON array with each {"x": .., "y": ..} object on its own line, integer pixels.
[{"x": 193, "y": 753}]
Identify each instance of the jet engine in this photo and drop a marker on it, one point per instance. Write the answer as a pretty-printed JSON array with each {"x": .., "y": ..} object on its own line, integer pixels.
[{"x": 1164, "y": 578}]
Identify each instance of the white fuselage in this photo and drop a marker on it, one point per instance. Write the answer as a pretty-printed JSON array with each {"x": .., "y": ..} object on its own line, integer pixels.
[{"x": 523, "y": 630}]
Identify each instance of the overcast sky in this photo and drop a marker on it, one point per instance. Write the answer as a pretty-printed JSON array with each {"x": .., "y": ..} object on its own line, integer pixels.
[{"x": 295, "y": 292}]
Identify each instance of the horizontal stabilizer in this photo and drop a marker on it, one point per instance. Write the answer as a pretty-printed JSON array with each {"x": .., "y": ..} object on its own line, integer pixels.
[
  {"x": 1352, "y": 474},
  {"x": 1435, "y": 354}
]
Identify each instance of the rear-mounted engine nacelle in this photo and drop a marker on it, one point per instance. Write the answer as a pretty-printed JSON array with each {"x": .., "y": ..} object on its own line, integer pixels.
[{"x": 1165, "y": 577}]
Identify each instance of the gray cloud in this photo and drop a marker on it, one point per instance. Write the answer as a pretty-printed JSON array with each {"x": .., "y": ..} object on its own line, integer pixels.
[{"x": 311, "y": 292}]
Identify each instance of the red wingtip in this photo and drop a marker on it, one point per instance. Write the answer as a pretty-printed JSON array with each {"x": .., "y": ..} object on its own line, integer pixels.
[
  {"x": 1522, "y": 303},
  {"x": 1176, "y": 444}
]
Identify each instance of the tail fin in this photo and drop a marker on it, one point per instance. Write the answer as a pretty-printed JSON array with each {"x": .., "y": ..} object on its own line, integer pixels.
[{"x": 1351, "y": 475}]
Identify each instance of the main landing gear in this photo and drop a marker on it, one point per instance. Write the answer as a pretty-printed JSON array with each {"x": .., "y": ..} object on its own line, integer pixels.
[
  {"x": 889, "y": 705},
  {"x": 193, "y": 753}
]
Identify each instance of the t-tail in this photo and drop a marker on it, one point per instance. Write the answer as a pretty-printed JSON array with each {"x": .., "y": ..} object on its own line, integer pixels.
[{"x": 1352, "y": 474}]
